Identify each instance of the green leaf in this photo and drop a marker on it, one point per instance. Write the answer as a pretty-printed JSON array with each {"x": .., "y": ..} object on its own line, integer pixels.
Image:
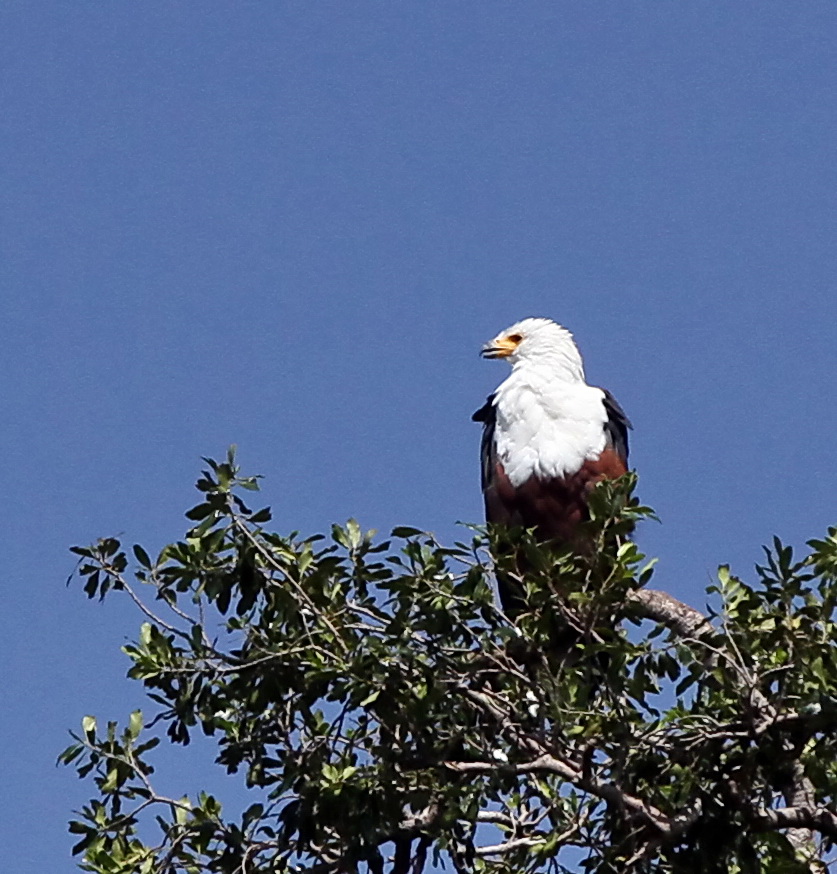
[
  {"x": 354, "y": 533},
  {"x": 111, "y": 781},
  {"x": 142, "y": 556},
  {"x": 405, "y": 532},
  {"x": 83, "y": 551},
  {"x": 79, "y": 828},
  {"x": 200, "y": 511},
  {"x": 181, "y": 811},
  {"x": 135, "y": 724},
  {"x": 70, "y": 754},
  {"x": 253, "y": 812}
]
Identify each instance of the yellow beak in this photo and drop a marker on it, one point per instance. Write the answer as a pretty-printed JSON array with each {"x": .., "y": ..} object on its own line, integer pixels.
[{"x": 502, "y": 347}]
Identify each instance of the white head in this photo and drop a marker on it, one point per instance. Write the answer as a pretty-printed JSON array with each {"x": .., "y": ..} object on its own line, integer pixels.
[{"x": 539, "y": 343}]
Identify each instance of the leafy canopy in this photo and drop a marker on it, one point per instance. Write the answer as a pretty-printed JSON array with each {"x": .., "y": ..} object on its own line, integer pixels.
[{"x": 384, "y": 714}]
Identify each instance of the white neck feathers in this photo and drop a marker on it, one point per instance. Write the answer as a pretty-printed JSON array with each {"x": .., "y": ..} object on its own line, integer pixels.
[{"x": 549, "y": 421}]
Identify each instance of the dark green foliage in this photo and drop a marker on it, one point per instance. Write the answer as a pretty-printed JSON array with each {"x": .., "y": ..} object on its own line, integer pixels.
[{"x": 385, "y": 714}]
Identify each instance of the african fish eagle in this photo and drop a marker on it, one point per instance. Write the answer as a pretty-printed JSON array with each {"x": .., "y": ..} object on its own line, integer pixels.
[{"x": 548, "y": 437}]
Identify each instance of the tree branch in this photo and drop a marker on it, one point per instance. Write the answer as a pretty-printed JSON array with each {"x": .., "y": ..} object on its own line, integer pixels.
[
  {"x": 608, "y": 792},
  {"x": 808, "y": 818},
  {"x": 799, "y": 795},
  {"x": 509, "y": 846},
  {"x": 683, "y": 620}
]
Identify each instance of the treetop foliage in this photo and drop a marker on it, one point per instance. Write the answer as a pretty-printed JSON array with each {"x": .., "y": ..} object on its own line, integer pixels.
[{"x": 385, "y": 715}]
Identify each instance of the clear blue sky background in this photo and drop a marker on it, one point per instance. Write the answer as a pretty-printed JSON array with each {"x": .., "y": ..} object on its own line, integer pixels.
[{"x": 291, "y": 226}]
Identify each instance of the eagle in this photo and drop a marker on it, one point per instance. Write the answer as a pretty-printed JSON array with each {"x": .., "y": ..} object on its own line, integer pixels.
[{"x": 548, "y": 437}]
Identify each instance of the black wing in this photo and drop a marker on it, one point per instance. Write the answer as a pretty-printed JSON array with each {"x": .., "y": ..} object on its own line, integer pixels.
[
  {"x": 486, "y": 414},
  {"x": 617, "y": 425}
]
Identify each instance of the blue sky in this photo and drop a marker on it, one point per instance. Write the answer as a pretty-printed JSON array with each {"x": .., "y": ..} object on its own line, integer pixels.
[{"x": 291, "y": 226}]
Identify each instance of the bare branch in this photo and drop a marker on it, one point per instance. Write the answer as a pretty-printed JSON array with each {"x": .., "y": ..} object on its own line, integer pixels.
[
  {"x": 609, "y": 792},
  {"x": 811, "y": 818},
  {"x": 683, "y": 620},
  {"x": 799, "y": 794},
  {"x": 495, "y": 817},
  {"x": 509, "y": 846}
]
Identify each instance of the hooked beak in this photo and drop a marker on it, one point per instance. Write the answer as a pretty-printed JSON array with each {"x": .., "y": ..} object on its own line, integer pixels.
[{"x": 501, "y": 348}]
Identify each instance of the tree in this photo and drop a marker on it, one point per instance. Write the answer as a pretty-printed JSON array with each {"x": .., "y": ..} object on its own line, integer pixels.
[{"x": 386, "y": 716}]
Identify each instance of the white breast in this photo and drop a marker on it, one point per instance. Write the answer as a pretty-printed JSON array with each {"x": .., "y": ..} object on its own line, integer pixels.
[{"x": 546, "y": 427}]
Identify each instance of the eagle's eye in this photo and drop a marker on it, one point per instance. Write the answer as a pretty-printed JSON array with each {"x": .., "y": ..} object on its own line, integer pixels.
[{"x": 515, "y": 338}]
